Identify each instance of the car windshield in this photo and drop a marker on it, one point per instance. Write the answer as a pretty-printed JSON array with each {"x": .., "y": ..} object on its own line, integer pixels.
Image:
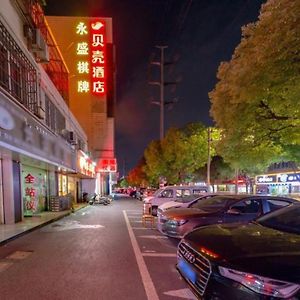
[
  {"x": 157, "y": 192},
  {"x": 285, "y": 219},
  {"x": 216, "y": 203}
]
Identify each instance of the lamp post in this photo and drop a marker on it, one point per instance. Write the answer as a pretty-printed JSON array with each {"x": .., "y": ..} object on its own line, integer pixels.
[{"x": 208, "y": 158}]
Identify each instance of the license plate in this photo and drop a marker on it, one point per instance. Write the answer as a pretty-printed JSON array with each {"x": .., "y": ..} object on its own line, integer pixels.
[{"x": 187, "y": 270}]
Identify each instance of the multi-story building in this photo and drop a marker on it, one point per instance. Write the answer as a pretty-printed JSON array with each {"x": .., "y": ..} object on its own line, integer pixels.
[
  {"x": 86, "y": 43},
  {"x": 43, "y": 148}
]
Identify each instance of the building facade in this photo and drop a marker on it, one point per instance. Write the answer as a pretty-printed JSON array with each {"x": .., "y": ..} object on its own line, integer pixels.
[
  {"x": 39, "y": 157},
  {"x": 86, "y": 43}
]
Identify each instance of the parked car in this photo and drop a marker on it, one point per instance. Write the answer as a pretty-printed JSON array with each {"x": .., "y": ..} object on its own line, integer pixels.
[
  {"x": 218, "y": 209},
  {"x": 170, "y": 193},
  {"x": 182, "y": 202},
  {"x": 259, "y": 260}
]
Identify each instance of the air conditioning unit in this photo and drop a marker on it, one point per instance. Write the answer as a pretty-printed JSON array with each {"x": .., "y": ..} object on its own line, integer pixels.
[
  {"x": 38, "y": 41},
  {"x": 81, "y": 145},
  {"x": 40, "y": 113},
  {"x": 43, "y": 55},
  {"x": 40, "y": 47},
  {"x": 28, "y": 32}
]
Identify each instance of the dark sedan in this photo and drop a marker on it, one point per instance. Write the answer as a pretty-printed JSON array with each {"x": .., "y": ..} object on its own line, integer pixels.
[
  {"x": 259, "y": 260},
  {"x": 218, "y": 209}
]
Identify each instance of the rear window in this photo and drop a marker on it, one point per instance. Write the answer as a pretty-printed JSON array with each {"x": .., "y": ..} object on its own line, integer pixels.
[
  {"x": 199, "y": 191},
  {"x": 286, "y": 219},
  {"x": 212, "y": 203},
  {"x": 182, "y": 192},
  {"x": 276, "y": 204}
]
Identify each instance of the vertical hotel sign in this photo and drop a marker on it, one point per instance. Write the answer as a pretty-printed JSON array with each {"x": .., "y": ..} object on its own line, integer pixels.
[{"x": 91, "y": 55}]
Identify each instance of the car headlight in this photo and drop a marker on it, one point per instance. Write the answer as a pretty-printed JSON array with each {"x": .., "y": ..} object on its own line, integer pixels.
[{"x": 261, "y": 285}]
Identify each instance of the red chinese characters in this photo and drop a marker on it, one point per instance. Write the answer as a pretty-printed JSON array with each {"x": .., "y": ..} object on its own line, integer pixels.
[
  {"x": 108, "y": 165},
  {"x": 29, "y": 179},
  {"x": 97, "y": 57}
]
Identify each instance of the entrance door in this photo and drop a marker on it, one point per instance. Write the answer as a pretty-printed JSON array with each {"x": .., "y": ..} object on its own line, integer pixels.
[{"x": 17, "y": 191}]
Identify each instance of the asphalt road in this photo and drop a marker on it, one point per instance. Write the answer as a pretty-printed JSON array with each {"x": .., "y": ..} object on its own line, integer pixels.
[{"x": 99, "y": 252}]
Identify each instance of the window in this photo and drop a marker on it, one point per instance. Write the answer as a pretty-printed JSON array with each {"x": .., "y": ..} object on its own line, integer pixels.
[
  {"x": 17, "y": 75},
  {"x": 276, "y": 204},
  {"x": 199, "y": 191},
  {"x": 53, "y": 117},
  {"x": 250, "y": 206},
  {"x": 167, "y": 194},
  {"x": 4, "y": 82},
  {"x": 182, "y": 192}
]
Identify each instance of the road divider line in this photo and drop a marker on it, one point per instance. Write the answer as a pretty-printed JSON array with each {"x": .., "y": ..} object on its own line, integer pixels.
[{"x": 146, "y": 278}]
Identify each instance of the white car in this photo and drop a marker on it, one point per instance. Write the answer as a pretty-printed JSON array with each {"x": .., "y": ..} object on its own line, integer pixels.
[{"x": 172, "y": 193}]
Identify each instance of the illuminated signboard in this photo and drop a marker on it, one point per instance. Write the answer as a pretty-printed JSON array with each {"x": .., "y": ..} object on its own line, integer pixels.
[
  {"x": 107, "y": 165},
  {"x": 86, "y": 165},
  {"x": 266, "y": 179},
  {"x": 91, "y": 53}
]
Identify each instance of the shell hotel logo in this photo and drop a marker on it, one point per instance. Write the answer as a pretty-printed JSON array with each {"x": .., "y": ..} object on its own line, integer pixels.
[{"x": 91, "y": 55}]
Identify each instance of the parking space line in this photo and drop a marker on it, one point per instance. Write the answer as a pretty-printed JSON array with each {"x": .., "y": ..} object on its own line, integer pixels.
[
  {"x": 144, "y": 228},
  {"x": 146, "y": 278},
  {"x": 160, "y": 254}
]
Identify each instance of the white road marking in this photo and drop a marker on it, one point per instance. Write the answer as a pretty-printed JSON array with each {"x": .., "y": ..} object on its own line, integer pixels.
[
  {"x": 144, "y": 228},
  {"x": 69, "y": 225},
  {"x": 183, "y": 293},
  {"x": 152, "y": 237},
  {"x": 146, "y": 278},
  {"x": 19, "y": 255},
  {"x": 159, "y": 254}
]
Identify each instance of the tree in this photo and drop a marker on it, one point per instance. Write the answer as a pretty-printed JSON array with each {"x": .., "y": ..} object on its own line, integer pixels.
[
  {"x": 155, "y": 165},
  {"x": 256, "y": 100},
  {"x": 178, "y": 155},
  {"x": 137, "y": 175},
  {"x": 219, "y": 170},
  {"x": 184, "y": 151}
]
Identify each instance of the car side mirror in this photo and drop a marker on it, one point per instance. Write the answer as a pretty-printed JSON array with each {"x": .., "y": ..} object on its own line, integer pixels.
[{"x": 233, "y": 211}]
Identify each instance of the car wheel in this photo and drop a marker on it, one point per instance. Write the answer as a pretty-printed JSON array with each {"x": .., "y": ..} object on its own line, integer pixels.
[{"x": 154, "y": 211}]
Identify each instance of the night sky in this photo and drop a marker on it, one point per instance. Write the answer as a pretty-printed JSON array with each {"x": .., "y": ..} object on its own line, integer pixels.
[{"x": 199, "y": 34}]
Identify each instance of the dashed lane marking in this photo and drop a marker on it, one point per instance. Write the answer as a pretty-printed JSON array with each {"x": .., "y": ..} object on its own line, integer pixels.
[
  {"x": 146, "y": 278},
  {"x": 18, "y": 255}
]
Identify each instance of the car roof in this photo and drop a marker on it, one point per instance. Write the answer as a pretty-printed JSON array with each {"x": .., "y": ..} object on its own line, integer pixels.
[{"x": 245, "y": 196}]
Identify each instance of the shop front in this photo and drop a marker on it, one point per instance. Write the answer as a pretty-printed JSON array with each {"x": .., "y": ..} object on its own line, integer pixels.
[
  {"x": 34, "y": 190},
  {"x": 86, "y": 176},
  {"x": 287, "y": 183},
  {"x": 29, "y": 154}
]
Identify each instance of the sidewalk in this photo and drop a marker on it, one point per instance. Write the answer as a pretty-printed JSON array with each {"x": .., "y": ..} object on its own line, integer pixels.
[{"x": 12, "y": 231}]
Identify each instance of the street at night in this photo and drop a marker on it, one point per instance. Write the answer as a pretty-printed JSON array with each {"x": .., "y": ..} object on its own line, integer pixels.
[
  {"x": 99, "y": 252},
  {"x": 149, "y": 149}
]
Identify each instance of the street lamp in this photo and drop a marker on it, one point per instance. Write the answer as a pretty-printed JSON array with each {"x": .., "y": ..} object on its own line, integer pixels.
[{"x": 208, "y": 158}]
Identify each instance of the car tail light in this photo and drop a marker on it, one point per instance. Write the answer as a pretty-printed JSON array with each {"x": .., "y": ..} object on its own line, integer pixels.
[{"x": 261, "y": 285}]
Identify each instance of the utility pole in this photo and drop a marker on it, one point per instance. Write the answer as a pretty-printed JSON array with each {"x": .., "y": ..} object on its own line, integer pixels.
[
  {"x": 162, "y": 83},
  {"x": 162, "y": 100}
]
